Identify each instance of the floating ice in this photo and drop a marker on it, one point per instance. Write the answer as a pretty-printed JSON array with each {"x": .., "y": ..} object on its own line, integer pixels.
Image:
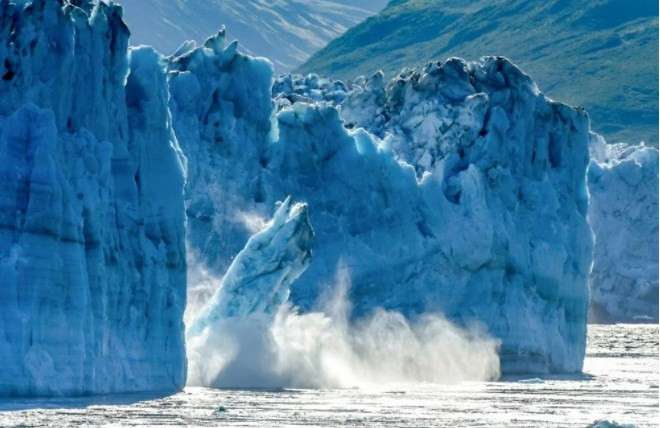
[
  {"x": 609, "y": 424},
  {"x": 531, "y": 381}
]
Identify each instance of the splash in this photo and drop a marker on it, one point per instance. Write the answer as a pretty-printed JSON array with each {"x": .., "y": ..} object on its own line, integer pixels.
[
  {"x": 326, "y": 349},
  {"x": 252, "y": 221},
  {"x": 201, "y": 285}
]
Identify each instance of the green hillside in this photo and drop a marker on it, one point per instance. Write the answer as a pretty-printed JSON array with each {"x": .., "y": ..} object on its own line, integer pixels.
[{"x": 601, "y": 54}]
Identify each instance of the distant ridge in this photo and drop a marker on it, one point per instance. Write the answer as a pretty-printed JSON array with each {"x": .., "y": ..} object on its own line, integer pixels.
[
  {"x": 285, "y": 31},
  {"x": 601, "y": 54}
]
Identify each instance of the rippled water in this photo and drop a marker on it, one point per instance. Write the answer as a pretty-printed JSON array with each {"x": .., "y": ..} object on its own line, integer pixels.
[{"x": 620, "y": 384}]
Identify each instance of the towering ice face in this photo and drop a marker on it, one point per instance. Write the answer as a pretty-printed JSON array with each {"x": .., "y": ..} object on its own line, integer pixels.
[
  {"x": 92, "y": 255},
  {"x": 474, "y": 206},
  {"x": 513, "y": 163},
  {"x": 623, "y": 212},
  {"x": 624, "y": 275}
]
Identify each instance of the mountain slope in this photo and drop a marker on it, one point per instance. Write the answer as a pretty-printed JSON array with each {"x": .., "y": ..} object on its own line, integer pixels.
[
  {"x": 285, "y": 31},
  {"x": 600, "y": 54}
]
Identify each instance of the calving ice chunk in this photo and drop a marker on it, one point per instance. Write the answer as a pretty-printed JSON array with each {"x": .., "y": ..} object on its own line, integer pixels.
[
  {"x": 258, "y": 280},
  {"x": 229, "y": 337},
  {"x": 465, "y": 195},
  {"x": 92, "y": 255}
]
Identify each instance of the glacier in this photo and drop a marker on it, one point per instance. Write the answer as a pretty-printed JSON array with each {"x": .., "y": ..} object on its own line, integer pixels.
[
  {"x": 623, "y": 212},
  {"x": 92, "y": 219},
  {"x": 455, "y": 191},
  {"x": 624, "y": 277},
  {"x": 465, "y": 196}
]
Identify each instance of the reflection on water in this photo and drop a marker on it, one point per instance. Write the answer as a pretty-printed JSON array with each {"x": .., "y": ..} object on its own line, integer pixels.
[{"x": 620, "y": 384}]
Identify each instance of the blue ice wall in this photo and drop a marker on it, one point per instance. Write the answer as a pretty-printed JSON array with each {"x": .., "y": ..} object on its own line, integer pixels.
[{"x": 92, "y": 254}]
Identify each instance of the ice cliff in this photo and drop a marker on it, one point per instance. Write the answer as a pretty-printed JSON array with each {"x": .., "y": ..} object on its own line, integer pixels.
[
  {"x": 624, "y": 279},
  {"x": 465, "y": 195},
  {"x": 623, "y": 212},
  {"x": 92, "y": 254},
  {"x": 456, "y": 189}
]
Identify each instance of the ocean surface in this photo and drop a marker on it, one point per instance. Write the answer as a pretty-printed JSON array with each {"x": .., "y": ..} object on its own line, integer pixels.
[{"x": 619, "y": 384}]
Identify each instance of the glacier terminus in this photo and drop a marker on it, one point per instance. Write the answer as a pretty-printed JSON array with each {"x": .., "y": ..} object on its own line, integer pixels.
[{"x": 452, "y": 206}]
